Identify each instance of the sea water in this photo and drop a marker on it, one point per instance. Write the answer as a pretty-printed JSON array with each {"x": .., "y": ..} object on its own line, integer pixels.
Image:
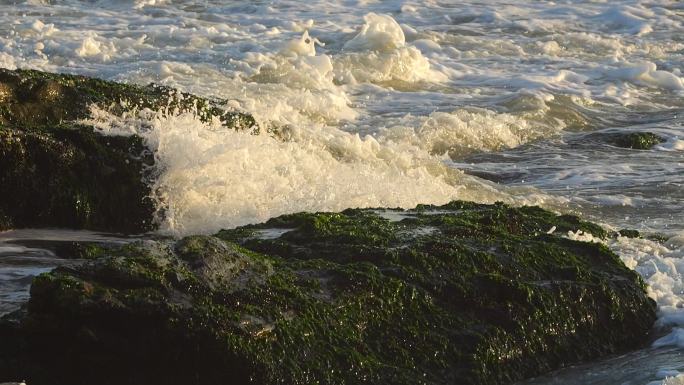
[{"x": 395, "y": 103}]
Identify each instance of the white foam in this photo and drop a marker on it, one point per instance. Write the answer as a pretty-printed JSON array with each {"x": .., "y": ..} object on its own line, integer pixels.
[
  {"x": 628, "y": 19},
  {"x": 303, "y": 46},
  {"x": 673, "y": 144},
  {"x": 379, "y": 33},
  {"x": 666, "y": 372},
  {"x": 465, "y": 131},
  {"x": 675, "y": 338},
  {"x": 7, "y": 61},
  {"x": 646, "y": 73},
  {"x": 211, "y": 178},
  {"x": 379, "y": 53},
  {"x": 661, "y": 266},
  {"x": 673, "y": 380},
  {"x": 581, "y": 236},
  {"x": 380, "y": 113}
]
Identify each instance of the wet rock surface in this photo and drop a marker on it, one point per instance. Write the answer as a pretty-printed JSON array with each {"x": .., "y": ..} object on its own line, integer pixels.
[
  {"x": 630, "y": 140},
  {"x": 55, "y": 172},
  {"x": 462, "y": 293}
]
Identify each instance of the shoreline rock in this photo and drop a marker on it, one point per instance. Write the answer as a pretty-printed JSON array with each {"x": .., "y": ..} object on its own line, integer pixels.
[
  {"x": 57, "y": 173},
  {"x": 462, "y": 293}
]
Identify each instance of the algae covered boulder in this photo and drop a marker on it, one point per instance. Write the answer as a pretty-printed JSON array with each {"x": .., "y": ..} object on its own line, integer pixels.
[
  {"x": 634, "y": 140},
  {"x": 456, "y": 294},
  {"x": 637, "y": 140},
  {"x": 56, "y": 172},
  {"x": 73, "y": 177}
]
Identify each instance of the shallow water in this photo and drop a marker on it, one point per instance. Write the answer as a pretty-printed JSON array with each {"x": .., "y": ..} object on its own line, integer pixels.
[
  {"x": 26, "y": 253},
  {"x": 388, "y": 103}
]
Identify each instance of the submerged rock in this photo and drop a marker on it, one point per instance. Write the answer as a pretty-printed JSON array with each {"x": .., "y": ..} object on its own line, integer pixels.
[
  {"x": 55, "y": 172},
  {"x": 638, "y": 140},
  {"x": 631, "y": 140},
  {"x": 463, "y": 293}
]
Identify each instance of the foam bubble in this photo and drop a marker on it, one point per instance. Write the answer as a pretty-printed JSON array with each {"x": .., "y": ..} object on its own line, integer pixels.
[
  {"x": 303, "y": 46},
  {"x": 378, "y": 53},
  {"x": 379, "y": 33},
  {"x": 646, "y": 73}
]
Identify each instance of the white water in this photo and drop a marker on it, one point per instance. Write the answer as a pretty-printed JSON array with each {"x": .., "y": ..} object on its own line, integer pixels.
[{"x": 385, "y": 103}]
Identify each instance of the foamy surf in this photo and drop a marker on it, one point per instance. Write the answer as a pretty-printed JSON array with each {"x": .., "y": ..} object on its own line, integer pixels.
[
  {"x": 207, "y": 177},
  {"x": 382, "y": 104}
]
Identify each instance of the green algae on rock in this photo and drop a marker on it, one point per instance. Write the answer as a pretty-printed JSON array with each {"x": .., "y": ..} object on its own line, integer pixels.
[
  {"x": 462, "y": 293},
  {"x": 630, "y": 140},
  {"x": 35, "y": 99},
  {"x": 638, "y": 140},
  {"x": 56, "y": 172}
]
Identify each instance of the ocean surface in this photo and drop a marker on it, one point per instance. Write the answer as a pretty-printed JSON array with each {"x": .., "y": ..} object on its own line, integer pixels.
[{"x": 395, "y": 103}]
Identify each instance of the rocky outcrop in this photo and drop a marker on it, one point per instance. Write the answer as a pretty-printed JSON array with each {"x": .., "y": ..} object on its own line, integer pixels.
[
  {"x": 462, "y": 293},
  {"x": 631, "y": 140},
  {"x": 56, "y": 172},
  {"x": 637, "y": 140}
]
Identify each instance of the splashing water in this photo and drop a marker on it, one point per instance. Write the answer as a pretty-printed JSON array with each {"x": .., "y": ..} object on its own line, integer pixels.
[{"x": 396, "y": 103}]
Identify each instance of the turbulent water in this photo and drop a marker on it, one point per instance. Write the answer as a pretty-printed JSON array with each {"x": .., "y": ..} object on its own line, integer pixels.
[{"x": 395, "y": 103}]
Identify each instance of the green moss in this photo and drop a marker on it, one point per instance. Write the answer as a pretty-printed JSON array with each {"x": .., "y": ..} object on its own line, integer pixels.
[
  {"x": 82, "y": 250},
  {"x": 660, "y": 238},
  {"x": 629, "y": 233},
  {"x": 637, "y": 140},
  {"x": 35, "y": 99},
  {"x": 461, "y": 293}
]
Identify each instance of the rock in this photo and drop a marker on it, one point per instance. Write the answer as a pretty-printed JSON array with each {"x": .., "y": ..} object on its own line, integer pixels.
[
  {"x": 631, "y": 140},
  {"x": 73, "y": 177},
  {"x": 463, "y": 293},
  {"x": 629, "y": 233},
  {"x": 57, "y": 173},
  {"x": 33, "y": 99},
  {"x": 638, "y": 140}
]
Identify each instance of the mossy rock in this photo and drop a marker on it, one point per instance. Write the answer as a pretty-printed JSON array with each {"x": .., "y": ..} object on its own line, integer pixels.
[
  {"x": 57, "y": 173},
  {"x": 73, "y": 177},
  {"x": 35, "y": 99},
  {"x": 634, "y": 140},
  {"x": 629, "y": 233},
  {"x": 457, "y": 294}
]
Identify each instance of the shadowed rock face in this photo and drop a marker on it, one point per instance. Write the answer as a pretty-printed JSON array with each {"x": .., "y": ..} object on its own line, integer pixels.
[
  {"x": 73, "y": 177},
  {"x": 457, "y": 294},
  {"x": 54, "y": 172}
]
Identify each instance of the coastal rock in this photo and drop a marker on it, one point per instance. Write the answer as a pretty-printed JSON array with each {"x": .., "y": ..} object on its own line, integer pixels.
[
  {"x": 638, "y": 140},
  {"x": 35, "y": 99},
  {"x": 462, "y": 293},
  {"x": 631, "y": 140},
  {"x": 55, "y": 172},
  {"x": 73, "y": 177}
]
